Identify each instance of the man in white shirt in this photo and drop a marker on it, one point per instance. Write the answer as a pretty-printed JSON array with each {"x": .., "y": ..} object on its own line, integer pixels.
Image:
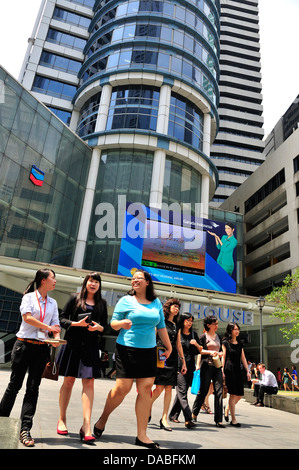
[{"x": 268, "y": 384}]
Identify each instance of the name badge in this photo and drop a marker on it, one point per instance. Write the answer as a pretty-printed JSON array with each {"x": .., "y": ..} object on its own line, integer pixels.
[{"x": 41, "y": 335}]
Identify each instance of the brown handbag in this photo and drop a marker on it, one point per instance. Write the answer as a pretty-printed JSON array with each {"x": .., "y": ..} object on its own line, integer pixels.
[{"x": 51, "y": 370}]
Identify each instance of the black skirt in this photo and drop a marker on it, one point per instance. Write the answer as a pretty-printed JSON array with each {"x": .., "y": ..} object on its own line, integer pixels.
[
  {"x": 71, "y": 364},
  {"x": 135, "y": 363}
]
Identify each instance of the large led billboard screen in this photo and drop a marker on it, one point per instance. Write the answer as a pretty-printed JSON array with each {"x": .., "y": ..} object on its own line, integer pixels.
[{"x": 178, "y": 249}]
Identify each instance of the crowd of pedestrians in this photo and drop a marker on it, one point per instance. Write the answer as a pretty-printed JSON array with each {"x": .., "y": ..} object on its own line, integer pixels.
[{"x": 156, "y": 346}]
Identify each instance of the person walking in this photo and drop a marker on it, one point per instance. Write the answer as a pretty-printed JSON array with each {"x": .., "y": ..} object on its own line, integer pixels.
[
  {"x": 233, "y": 357},
  {"x": 136, "y": 316},
  {"x": 294, "y": 377},
  {"x": 286, "y": 376},
  {"x": 84, "y": 317},
  {"x": 211, "y": 344},
  {"x": 166, "y": 377},
  {"x": 191, "y": 348},
  {"x": 30, "y": 351}
]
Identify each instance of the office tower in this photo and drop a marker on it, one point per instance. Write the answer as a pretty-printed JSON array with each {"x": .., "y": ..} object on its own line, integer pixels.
[
  {"x": 138, "y": 81},
  {"x": 237, "y": 149}
]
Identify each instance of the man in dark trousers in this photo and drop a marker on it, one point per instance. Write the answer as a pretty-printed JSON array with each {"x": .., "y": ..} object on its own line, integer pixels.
[{"x": 268, "y": 384}]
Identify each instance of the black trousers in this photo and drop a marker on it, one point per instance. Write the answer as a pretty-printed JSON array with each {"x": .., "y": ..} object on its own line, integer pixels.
[
  {"x": 260, "y": 390},
  {"x": 208, "y": 374},
  {"x": 181, "y": 399},
  {"x": 31, "y": 357}
]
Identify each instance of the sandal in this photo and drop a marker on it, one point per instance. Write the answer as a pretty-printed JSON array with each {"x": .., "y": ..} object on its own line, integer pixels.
[
  {"x": 208, "y": 409},
  {"x": 26, "y": 438}
]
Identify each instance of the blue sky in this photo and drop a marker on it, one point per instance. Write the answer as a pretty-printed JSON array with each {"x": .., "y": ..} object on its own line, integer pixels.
[{"x": 279, "y": 32}]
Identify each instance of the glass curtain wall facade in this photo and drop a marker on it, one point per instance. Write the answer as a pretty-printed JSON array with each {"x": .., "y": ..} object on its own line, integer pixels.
[
  {"x": 138, "y": 81},
  {"x": 43, "y": 168}
]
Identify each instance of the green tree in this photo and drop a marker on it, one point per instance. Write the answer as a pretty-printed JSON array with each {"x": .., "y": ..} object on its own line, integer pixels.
[{"x": 286, "y": 299}]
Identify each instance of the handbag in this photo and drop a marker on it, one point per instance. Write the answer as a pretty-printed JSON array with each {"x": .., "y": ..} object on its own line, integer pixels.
[
  {"x": 195, "y": 382},
  {"x": 51, "y": 370}
]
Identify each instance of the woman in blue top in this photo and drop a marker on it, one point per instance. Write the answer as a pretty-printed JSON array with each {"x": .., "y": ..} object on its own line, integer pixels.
[{"x": 136, "y": 317}]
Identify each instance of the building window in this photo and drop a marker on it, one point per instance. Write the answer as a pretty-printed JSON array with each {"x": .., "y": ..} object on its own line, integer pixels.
[
  {"x": 64, "y": 39},
  {"x": 181, "y": 183},
  {"x": 296, "y": 164},
  {"x": 133, "y": 107},
  {"x": 71, "y": 18},
  {"x": 265, "y": 190},
  {"x": 185, "y": 121},
  {"x": 58, "y": 62},
  {"x": 64, "y": 116},
  {"x": 55, "y": 88},
  {"x": 88, "y": 116}
]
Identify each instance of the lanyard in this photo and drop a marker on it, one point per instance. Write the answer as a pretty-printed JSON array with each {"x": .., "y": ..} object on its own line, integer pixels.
[{"x": 42, "y": 315}]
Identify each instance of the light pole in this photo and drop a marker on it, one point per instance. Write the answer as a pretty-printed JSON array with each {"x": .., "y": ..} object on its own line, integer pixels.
[{"x": 260, "y": 302}]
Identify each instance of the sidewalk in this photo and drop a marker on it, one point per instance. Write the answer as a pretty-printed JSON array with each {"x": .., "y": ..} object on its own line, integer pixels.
[{"x": 262, "y": 428}]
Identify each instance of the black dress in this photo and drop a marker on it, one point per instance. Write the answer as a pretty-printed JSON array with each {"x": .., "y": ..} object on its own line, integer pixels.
[
  {"x": 80, "y": 357},
  {"x": 232, "y": 368},
  {"x": 168, "y": 375}
]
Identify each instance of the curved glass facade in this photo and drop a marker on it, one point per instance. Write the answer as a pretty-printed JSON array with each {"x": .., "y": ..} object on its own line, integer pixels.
[
  {"x": 88, "y": 116},
  {"x": 178, "y": 39},
  {"x": 121, "y": 172},
  {"x": 133, "y": 107},
  {"x": 181, "y": 183},
  {"x": 128, "y": 173},
  {"x": 44, "y": 169}
]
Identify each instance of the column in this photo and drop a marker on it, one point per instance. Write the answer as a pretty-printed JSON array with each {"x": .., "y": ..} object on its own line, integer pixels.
[
  {"x": 205, "y": 188},
  {"x": 87, "y": 209},
  {"x": 206, "y": 141},
  {"x": 157, "y": 183},
  {"x": 103, "y": 108}
]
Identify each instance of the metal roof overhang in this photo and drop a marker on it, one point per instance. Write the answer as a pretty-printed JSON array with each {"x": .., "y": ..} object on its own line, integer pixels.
[{"x": 15, "y": 274}]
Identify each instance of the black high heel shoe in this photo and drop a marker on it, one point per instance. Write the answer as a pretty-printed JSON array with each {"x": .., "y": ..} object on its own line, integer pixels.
[
  {"x": 166, "y": 428},
  {"x": 98, "y": 432},
  {"x": 151, "y": 445}
]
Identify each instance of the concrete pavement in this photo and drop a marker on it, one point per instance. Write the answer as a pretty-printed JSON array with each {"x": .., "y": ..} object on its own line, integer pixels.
[{"x": 261, "y": 428}]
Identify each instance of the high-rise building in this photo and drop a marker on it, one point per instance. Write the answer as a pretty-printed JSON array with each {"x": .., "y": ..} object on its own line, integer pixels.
[
  {"x": 237, "y": 149},
  {"x": 138, "y": 81}
]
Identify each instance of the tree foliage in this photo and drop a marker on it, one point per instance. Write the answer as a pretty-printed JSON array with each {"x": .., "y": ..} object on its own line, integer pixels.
[{"x": 286, "y": 299}]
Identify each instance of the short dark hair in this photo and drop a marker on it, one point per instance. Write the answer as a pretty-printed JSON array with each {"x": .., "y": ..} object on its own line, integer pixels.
[{"x": 208, "y": 321}]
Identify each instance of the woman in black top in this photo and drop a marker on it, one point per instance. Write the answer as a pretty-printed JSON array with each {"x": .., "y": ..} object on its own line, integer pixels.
[
  {"x": 83, "y": 317},
  {"x": 233, "y": 357},
  {"x": 166, "y": 377},
  {"x": 191, "y": 347}
]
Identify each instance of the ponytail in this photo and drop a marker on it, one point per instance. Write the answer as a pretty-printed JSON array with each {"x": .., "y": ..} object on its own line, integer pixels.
[{"x": 39, "y": 276}]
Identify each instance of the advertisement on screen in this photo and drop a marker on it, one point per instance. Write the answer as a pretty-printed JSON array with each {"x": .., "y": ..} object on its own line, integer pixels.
[{"x": 180, "y": 249}]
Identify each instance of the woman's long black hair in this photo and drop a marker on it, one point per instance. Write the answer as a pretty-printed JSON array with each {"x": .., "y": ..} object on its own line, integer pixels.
[
  {"x": 81, "y": 297},
  {"x": 150, "y": 291},
  {"x": 39, "y": 276},
  {"x": 184, "y": 316}
]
